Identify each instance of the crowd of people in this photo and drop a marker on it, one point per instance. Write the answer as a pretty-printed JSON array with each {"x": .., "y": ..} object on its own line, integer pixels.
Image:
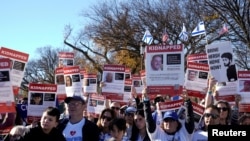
[{"x": 138, "y": 121}]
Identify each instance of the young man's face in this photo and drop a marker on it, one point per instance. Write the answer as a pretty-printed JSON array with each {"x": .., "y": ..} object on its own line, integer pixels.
[
  {"x": 191, "y": 75},
  {"x": 37, "y": 100},
  {"x": 48, "y": 122},
  {"x": 116, "y": 133},
  {"x": 226, "y": 62}
]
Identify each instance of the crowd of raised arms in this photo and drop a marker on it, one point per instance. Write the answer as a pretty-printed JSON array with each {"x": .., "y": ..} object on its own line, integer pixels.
[{"x": 139, "y": 120}]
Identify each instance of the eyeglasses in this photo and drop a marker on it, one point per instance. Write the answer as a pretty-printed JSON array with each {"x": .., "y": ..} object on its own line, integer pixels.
[
  {"x": 223, "y": 108},
  {"x": 74, "y": 104},
  {"x": 115, "y": 108},
  {"x": 107, "y": 118},
  {"x": 214, "y": 116}
]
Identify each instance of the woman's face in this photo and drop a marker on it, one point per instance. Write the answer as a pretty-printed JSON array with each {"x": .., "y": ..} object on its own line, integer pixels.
[
  {"x": 117, "y": 134},
  {"x": 105, "y": 120},
  {"x": 68, "y": 83},
  {"x": 223, "y": 110},
  {"x": 140, "y": 122}
]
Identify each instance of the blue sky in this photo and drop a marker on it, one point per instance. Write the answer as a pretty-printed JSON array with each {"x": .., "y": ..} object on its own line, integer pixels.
[{"x": 29, "y": 24}]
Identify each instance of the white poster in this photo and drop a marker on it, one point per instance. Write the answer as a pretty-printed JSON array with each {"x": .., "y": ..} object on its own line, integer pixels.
[
  {"x": 165, "y": 65},
  {"x": 66, "y": 59},
  {"x": 40, "y": 97},
  {"x": 196, "y": 77},
  {"x": 90, "y": 83},
  {"x": 221, "y": 61},
  {"x": 72, "y": 78},
  {"x": 18, "y": 64}
]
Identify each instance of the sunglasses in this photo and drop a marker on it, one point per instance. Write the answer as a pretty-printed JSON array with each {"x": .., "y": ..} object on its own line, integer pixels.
[
  {"x": 115, "y": 108},
  {"x": 107, "y": 118},
  {"x": 223, "y": 108},
  {"x": 214, "y": 116}
]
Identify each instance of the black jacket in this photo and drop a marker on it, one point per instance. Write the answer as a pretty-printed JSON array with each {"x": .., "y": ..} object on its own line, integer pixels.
[
  {"x": 37, "y": 134},
  {"x": 90, "y": 131},
  {"x": 189, "y": 120}
]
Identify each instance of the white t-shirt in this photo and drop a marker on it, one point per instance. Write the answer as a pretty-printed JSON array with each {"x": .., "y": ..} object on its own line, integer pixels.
[
  {"x": 200, "y": 135},
  {"x": 73, "y": 132},
  {"x": 160, "y": 135}
]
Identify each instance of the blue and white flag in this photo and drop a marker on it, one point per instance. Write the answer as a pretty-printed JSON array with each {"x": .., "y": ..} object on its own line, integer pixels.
[
  {"x": 147, "y": 38},
  {"x": 183, "y": 35},
  {"x": 200, "y": 29}
]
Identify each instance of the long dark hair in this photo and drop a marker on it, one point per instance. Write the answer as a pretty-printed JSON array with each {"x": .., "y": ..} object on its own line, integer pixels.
[
  {"x": 101, "y": 115},
  {"x": 135, "y": 130}
]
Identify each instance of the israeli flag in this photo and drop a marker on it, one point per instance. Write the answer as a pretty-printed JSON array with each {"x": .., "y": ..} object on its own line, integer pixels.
[
  {"x": 147, "y": 38},
  {"x": 200, "y": 29},
  {"x": 183, "y": 35}
]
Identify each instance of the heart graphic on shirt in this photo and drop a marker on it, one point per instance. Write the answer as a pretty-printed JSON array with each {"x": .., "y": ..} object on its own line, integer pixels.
[{"x": 72, "y": 133}]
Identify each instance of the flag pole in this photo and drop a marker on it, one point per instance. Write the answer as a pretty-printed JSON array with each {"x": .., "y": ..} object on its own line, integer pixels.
[{"x": 205, "y": 33}]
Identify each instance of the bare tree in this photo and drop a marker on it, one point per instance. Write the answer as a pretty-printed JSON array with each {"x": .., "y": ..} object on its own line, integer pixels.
[
  {"x": 116, "y": 29},
  {"x": 236, "y": 14}
]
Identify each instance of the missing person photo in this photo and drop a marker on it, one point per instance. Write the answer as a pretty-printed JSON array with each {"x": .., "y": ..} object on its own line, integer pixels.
[
  {"x": 36, "y": 99},
  {"x": 68, "y": 81},
  {"x": 93, "y": 102},
  {"x": 18, "y": 65},
  {"x": 192, "y": 75},
  {"x": 136, "y": 84},
  {"x": 245, "y": 86},
  {"x": 60, "y": 79},
  {"x": 108, "y": 77},
  {"x": 157, "y": 62},
  {"x": 86, "y": 82}
]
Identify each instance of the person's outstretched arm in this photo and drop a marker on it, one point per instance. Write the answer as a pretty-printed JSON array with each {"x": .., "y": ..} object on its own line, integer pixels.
[
  {"x": 209, "y": 99},
  {"x": 150, "y": 124},
  {"x": 189, "y": 124}
]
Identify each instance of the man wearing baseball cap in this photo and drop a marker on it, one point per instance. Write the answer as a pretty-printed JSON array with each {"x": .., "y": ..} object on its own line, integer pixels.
[
  {"x": 77, "y": 127},
  {"x": 172, "y": 129},
  {"x": 246, "y": 86}
]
